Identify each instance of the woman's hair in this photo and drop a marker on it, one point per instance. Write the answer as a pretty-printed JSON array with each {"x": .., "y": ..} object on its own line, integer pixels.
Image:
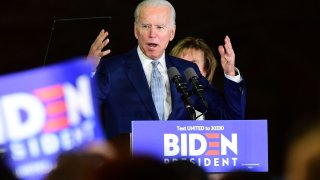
[{"x": 210, "y": 62}]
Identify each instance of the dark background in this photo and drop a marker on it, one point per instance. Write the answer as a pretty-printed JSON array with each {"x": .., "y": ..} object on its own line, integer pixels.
[{"x": 276, "y": 44}]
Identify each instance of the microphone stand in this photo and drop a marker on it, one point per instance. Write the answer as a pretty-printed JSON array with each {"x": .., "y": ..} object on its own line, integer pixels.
[
  {"x": 185, "y": 94},
  {"x": 190, "y": 109}
]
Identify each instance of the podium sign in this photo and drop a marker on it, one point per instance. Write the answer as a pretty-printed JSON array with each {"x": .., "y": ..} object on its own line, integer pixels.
[{"x": 214, "y": 145}]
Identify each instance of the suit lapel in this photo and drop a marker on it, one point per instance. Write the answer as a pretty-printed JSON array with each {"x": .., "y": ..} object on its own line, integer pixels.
[{"x": 138, "y": 78}]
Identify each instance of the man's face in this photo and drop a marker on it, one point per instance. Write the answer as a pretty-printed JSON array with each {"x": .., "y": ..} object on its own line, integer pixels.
[{"x": 154, "y": 30}]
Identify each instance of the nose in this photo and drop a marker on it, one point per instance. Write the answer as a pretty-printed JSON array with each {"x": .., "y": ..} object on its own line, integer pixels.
[{"x": 152, "y": 31}]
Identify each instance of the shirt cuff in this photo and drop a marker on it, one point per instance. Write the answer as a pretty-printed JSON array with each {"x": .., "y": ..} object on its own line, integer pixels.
[{"x": 236, "y": 78}]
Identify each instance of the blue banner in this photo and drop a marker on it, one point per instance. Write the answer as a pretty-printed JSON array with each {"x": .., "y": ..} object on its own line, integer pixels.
[
  {"x": 44, "y": 112},
  {"x": 216, "y": 146}
]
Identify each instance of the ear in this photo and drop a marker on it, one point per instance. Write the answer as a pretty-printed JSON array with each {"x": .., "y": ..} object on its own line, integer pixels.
[
  {"x": 172, "y": 33},
  {"x": 135, "y": 31}
]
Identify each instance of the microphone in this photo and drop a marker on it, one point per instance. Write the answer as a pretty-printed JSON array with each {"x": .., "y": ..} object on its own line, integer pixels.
[
  {"x": 197, "y": 88},
  {"x": 175, "y": 76}
]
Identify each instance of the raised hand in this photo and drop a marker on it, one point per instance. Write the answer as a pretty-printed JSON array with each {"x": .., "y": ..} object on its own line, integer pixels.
[
  {"x": 227, "y": 57},
  {"x": 96, "y": 50}
]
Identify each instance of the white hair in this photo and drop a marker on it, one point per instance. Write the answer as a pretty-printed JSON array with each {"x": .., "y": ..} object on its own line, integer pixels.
[{"x": 155, "y": 3}]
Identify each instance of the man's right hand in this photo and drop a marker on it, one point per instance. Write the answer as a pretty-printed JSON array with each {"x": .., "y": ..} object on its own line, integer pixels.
[{"x": 96, "y": 52}]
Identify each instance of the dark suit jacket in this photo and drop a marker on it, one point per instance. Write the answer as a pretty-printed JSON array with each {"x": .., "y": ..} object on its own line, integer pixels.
[{"x": 123, "y": 94}]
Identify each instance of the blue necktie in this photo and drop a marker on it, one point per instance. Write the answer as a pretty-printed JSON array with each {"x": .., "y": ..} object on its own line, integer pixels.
[{"x": 157, "y": 89}]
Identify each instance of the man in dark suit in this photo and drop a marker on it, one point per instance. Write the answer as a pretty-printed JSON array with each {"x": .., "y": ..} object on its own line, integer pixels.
[{"x": 124, "y": 82}]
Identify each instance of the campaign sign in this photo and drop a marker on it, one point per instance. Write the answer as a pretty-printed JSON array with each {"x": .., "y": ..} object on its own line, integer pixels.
[
  {"x": 44, "y": 112},
  {"x": 214, "y": 145}
]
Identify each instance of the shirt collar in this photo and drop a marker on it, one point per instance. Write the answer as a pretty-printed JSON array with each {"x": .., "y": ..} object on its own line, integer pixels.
[{"x": 145, "y": 60}]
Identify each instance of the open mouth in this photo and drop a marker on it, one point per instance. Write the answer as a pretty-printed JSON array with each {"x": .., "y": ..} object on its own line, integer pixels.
[{"x": 152, "y": 45}]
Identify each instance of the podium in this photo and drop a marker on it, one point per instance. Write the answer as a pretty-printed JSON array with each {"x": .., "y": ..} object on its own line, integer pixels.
[{"x": 214, "y": 145}]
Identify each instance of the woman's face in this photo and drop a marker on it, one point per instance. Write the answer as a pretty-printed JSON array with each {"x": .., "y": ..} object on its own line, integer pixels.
[{"x": 196, "y": 56}]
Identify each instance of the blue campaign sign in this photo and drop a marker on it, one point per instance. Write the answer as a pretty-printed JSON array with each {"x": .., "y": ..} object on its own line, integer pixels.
[
  {"x": 44, "y": 112},
  {"x": 214, "y": 145}
]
